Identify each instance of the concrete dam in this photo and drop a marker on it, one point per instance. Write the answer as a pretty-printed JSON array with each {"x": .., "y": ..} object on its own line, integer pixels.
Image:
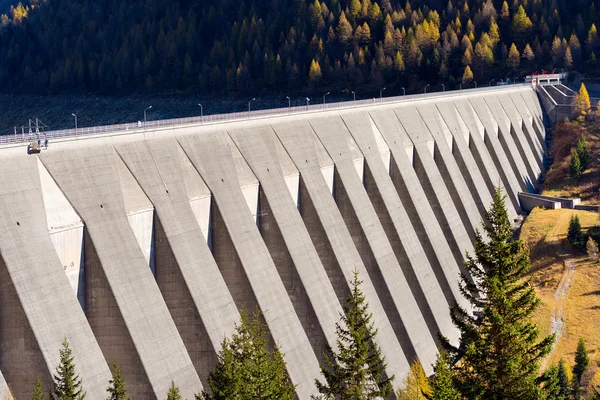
[{"x": 144, "y": 246}]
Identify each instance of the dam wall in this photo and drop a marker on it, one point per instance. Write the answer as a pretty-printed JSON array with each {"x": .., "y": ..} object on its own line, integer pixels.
[{"x": 145, "y": 247}]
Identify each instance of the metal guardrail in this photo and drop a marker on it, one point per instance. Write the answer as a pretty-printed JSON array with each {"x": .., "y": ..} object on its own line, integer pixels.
[{"x": 135, "y": 127}]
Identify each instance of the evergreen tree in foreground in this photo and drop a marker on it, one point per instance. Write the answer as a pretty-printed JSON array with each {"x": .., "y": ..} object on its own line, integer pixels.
[
  {"x": 442, "y": 386},
  {"x": 575, "y": 236},
  {"x": 563, "y": 381},
  {"x": 583, "y": 152},
  {"x": 116, "y": 389},
  {"x": 38, "y": 390},
  {"x": 173, "y": 393},
  {"x": 247, "y": 369},
  {"x": 581, "y": 362},
  {"x": 499, "y": 351},
  {"x": 67, "y": 384},
  {"x": 357, "y": 369},
  {"x": 575, "y": 169}
]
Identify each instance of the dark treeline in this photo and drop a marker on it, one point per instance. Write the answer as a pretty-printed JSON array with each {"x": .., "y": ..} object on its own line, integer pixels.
[{"x": 241, "y": 46}]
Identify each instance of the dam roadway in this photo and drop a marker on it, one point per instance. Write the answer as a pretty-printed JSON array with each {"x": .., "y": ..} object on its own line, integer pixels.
[{"x": 145, "y": 246}]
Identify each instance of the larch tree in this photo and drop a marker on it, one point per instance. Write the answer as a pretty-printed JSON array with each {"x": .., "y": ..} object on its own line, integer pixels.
[
  {"x": 116, "y": 386},
  {"x": 500, "y": 349},
  {"x": 467, "y": 75},
  {"x": 528, "y": 53},
  {"x": 247, "y": 368},
  {"x": 514, "y": 58},
  {"x": 582, "y": 103},
  {"x": 415, "y": 385},
  {"x": 568, "y": 60},
  {"x": 67, "y": 384},
  {"x": 356, "y": 370}
]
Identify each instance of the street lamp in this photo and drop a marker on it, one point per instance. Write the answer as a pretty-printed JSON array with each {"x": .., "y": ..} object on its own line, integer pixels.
[
  {"x": 426, "y": 88},
  {"x": 145, "y": 116},
  {"x": 353, "y": 96},
  {"x": 475, "y": 84},
  {"x": 403, "y": 91},
  {"x": 201, "y": 113},
  {"x": 307, "y": 101},
  {"x": 381, "y": 93},
  {"x": 75, "y": 122},
  {"x": 443, "y": 87},
  {"x": 289, "y": 102},
  {"x": 254, "y": 98},
  {"x": 325, "y": 95}
]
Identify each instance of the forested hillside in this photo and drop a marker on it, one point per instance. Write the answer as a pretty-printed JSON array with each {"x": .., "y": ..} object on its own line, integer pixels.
[{"x": 254, "y": 46}]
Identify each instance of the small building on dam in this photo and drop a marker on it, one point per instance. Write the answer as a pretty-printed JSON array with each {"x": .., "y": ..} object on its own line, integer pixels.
[{"x": 145, "y": 246}]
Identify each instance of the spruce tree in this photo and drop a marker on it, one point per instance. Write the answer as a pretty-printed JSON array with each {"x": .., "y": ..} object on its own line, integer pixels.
[
  {"x": 575, "y": 236},
  {"x": 581, "y": 361},
  {"x": 551, "y": 385},
  {"x": 116, "y": 388},
  {"x": 173, "y": 393},
  {"x": 38, "y": 390},
  {"x": 442, "y": 385},
  {"x": 575, "y": 166},
  {"x": 563, "y": 381},
  {"x": 67, "y": 384},
  {"x": 499, "y": 348},
  {"x": 247, "y": 369},
  {"x": 583, "y": 152},
  {"x": 357, "y": 369}
]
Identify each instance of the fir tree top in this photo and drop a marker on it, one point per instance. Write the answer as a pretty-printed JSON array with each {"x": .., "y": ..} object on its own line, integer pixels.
[
  {"x": 499, "y": 351},
  {"x": 67, "y": 384},
  {"x": 357, "y": 369},
  {"x": 116, "y": 389}
]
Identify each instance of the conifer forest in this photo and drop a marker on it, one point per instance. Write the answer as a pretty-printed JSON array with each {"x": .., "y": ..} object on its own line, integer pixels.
[{"x": 239, "y": 47}]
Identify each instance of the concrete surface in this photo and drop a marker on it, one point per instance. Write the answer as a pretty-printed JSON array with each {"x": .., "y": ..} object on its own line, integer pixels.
[{"x": 154, "y": 241}]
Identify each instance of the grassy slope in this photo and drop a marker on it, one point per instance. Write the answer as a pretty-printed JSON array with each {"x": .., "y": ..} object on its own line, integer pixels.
[{"x": 545, "y": 231}]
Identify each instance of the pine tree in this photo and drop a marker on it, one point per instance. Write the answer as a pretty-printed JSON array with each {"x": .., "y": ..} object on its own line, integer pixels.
[
  {"x": 247, "y": 369},
  {"x": 583, "y": 152},
  {"x": 357, "y": 369},
  {"x": 551, "y": 385},
  {"x": 173, "y": 393},
  {"x": 563, "y": 381},
  {"x": 117, "y": 389},
  {"x": 581, "y": 361},
  {"x": 67, "y": 384},
  {"x": 499, "y": 350},
  {"x": 442, "y": 386},
  {"x": 592, "y": 249},
  {"x": 575, "y": 236},
  {"x": 582, "y": 103},
  {"x": 415, "y": 385},
  {"x": 575, "y": 166},
  {"x": 38, "y": 390}
]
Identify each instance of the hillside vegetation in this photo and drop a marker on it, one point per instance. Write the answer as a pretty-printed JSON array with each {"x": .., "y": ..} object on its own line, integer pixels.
[
  {"x": 567, "y": 280},
  {"x": 287, "y": 46}
]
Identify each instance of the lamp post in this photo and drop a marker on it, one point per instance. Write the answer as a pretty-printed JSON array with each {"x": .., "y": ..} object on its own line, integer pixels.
[
  {"x": 324, "y": 96},
  {"x": 73, "y": 114},
  {"x": 289, "y": 103},
  {"x": 381, "y": 94},
  {"x": 353, "y": 96},
  {"x": 475, "y": 84},
  {"x": 307, "y": 101},
  {"x": 254, "y": 98},
  {"x": 426, "y": 88},
  {"x": 145, "y": 116},
  {"x": 201, "y": 113},
  {"x": 443, "y": 87},
  {"x": 403, "y": 91}
]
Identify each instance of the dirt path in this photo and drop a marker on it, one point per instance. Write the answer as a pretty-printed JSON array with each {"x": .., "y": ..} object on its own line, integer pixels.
[{"x": 560, "y": 294}]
